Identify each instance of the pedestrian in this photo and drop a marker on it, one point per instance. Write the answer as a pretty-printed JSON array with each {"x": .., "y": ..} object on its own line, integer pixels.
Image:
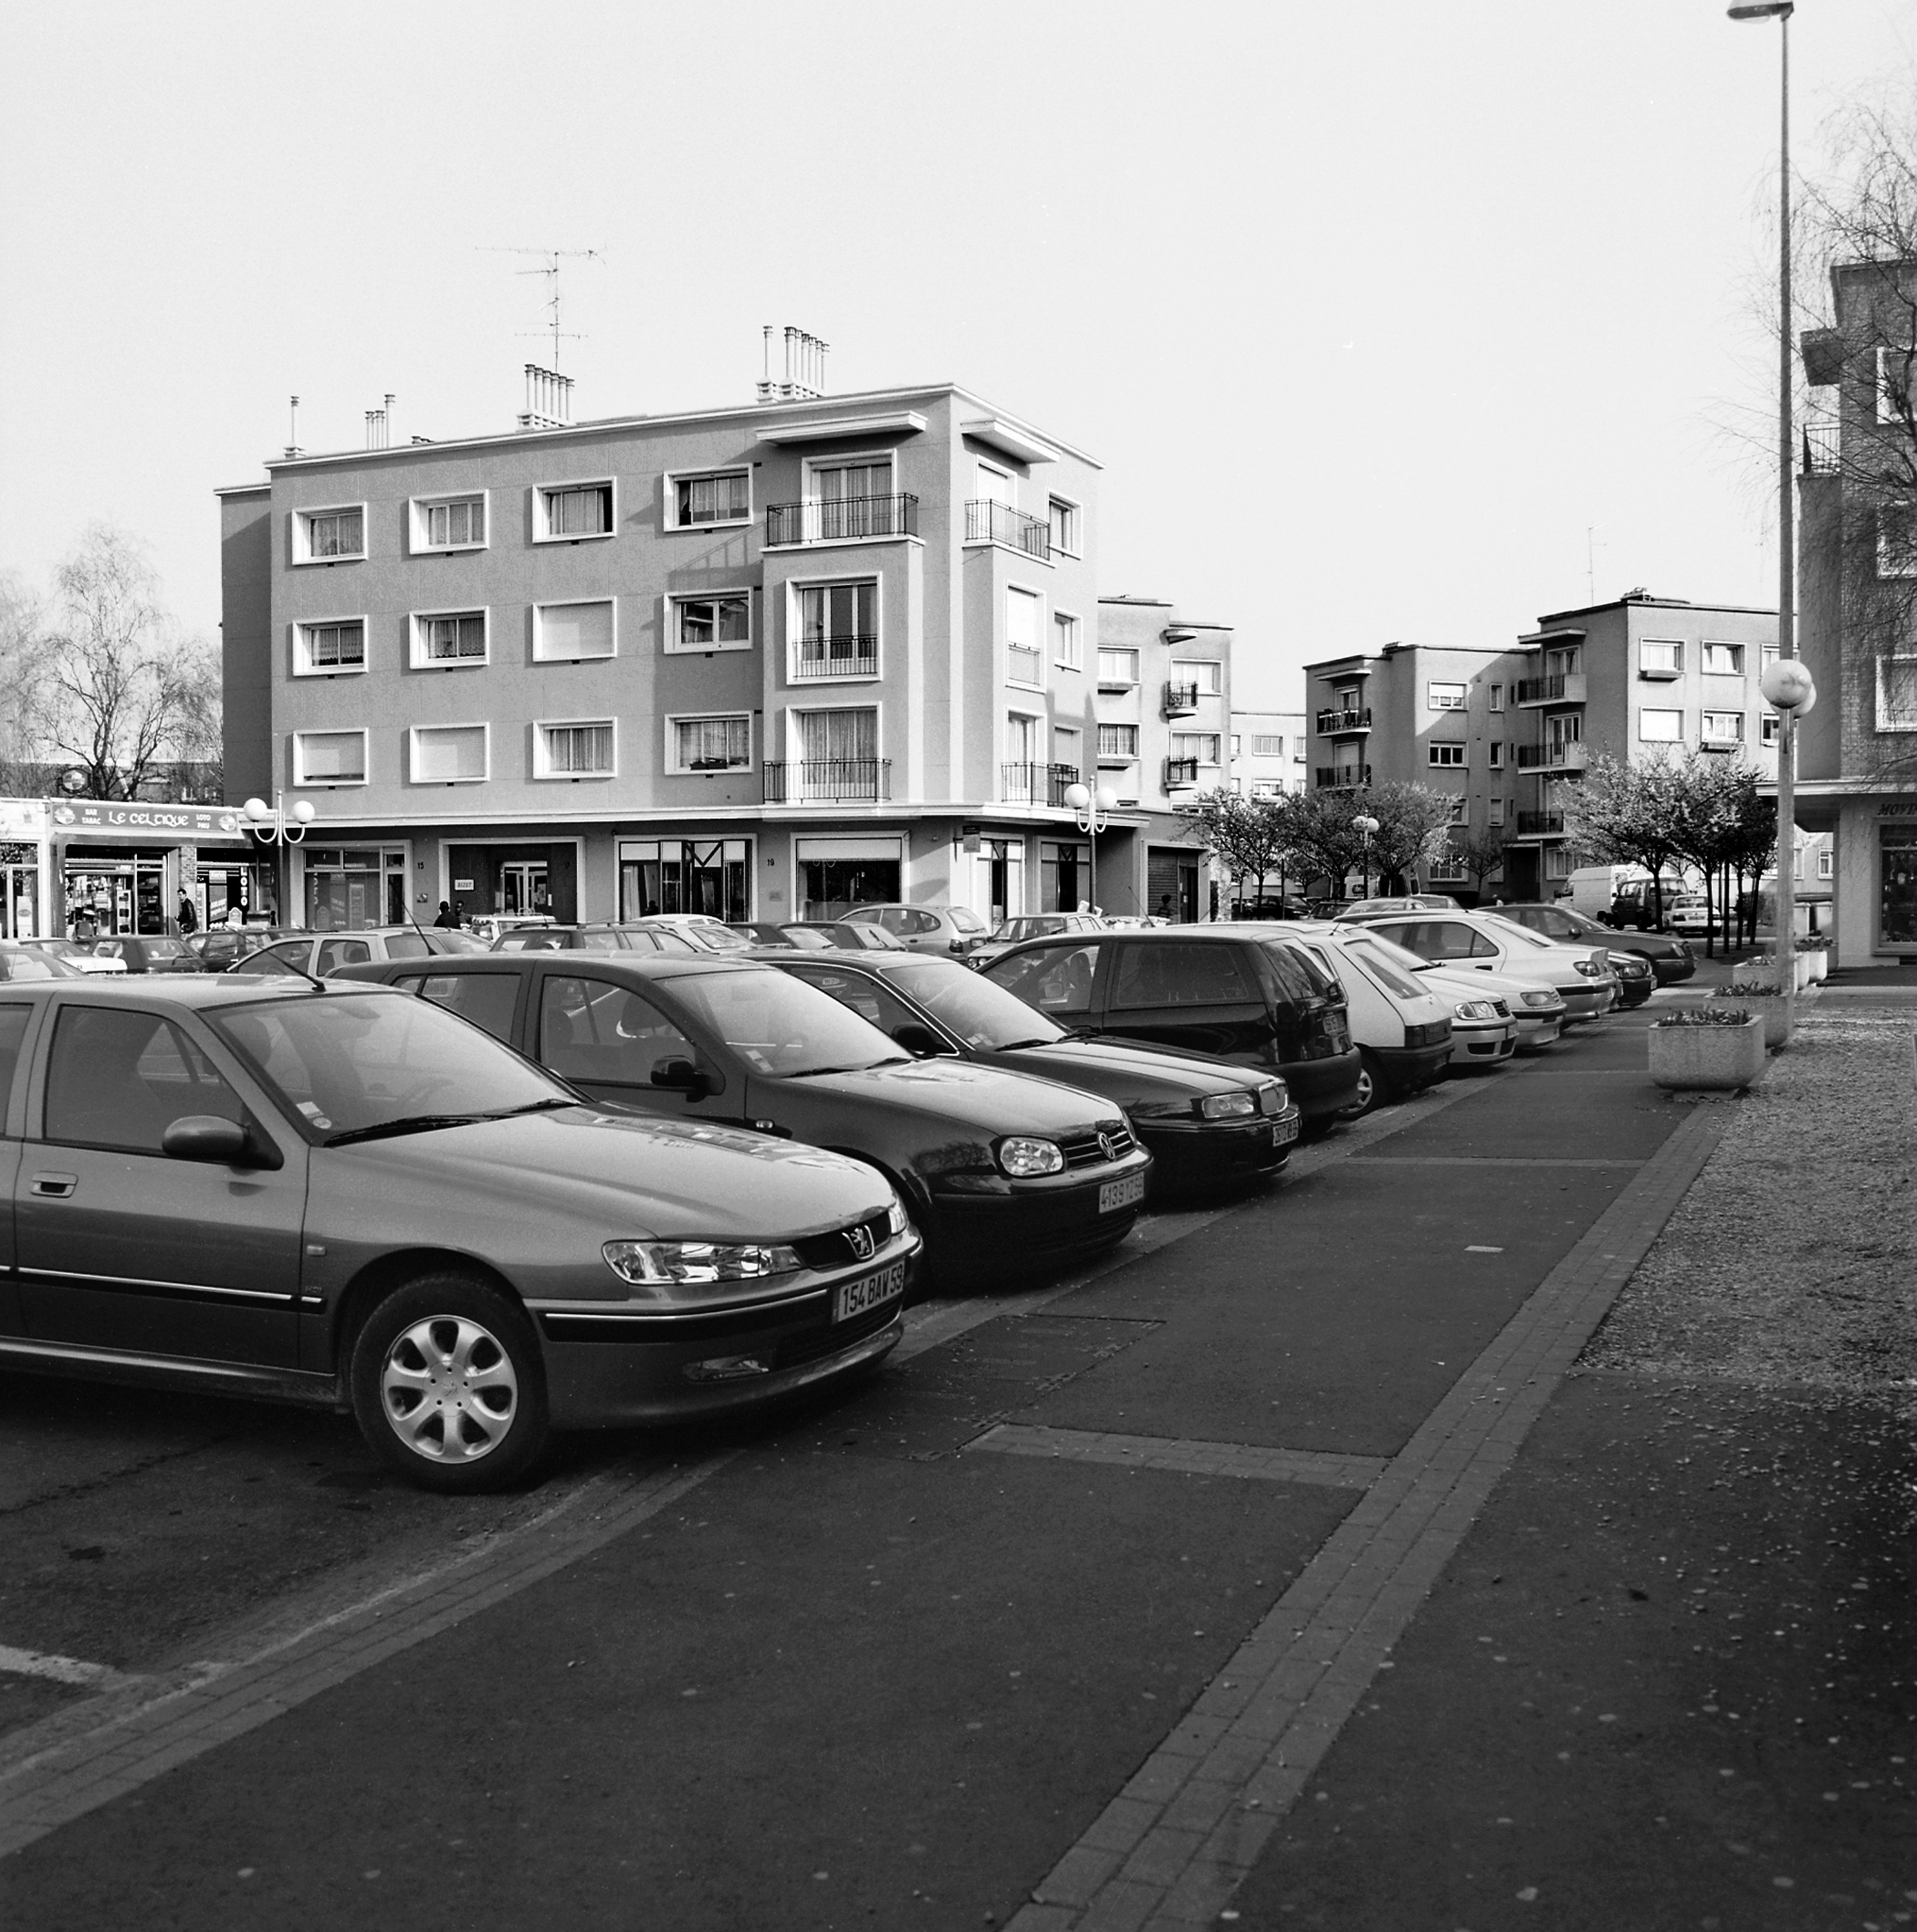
[
  {"x": 189, "y": 918},
  {"x": 448, "y": 918}
]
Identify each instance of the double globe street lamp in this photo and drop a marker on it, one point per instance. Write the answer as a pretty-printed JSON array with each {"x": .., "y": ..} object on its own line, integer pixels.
[
  {"x": 274, "y": 825},
  {"x": 1091, "y": 812},
  {"x": 1364, "y": 825}
]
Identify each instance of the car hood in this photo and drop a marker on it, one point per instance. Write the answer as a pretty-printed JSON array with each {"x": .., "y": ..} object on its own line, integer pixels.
[
  {"x": 1129, "y": 1074},
  {"x": 987, "y": 1099},
  {"x": 1467, "y": 983},
  {"x": 632, "y": 1175}
]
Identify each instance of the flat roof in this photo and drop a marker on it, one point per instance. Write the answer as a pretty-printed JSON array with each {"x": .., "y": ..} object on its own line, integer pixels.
[{"x": 1650, "y": 603}]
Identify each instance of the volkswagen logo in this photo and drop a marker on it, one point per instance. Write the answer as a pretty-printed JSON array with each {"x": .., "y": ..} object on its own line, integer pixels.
[
  {"x": 863, "y": 1246},
  {"x": 1106, "y": 1147}
]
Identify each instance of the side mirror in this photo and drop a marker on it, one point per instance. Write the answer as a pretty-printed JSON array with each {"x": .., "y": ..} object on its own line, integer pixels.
[
  {"x": 918, "y": 1039},
  {"x": 679, "y": 1076},
  {"x": 209, "y": 1138}
]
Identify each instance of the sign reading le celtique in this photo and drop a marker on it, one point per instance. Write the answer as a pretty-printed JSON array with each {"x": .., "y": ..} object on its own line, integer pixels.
[{"x": 72, "y": 815}]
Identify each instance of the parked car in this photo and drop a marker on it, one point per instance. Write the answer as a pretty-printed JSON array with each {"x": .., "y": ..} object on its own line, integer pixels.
[
  {"x": 1636, "y": 904},
  {"x": 1246, "y": 995},
  {"x": 1404, "y": 902},
  {"x": 764, "y": 932},
  {"x": 593, "y": 939},
  {"x": 1637, "y": 981},
  {"x": 1205, "y": 1124},
  {"x": 21, "y": 962},
  {"x": 995, "y": 1166},
  {"x": 1481, "y": 941},
  {"x": 1010, "y": 932},
  {"x": 149, "y": 952},
  {"x": 350, "y": 1198},
  {"x": 70, "y": 952},
  {"x": 320, "y": 953},
  {"x": 848, "y": 937},
  {"x": 925, "y": 928},
  {"x": 220, "y": 947},
  {"x": 1671, "y": 959},
  {"x": 489, "y": 926},
  {"x": 1536, "y": 1011},
  {"x": 1689, "y": 913},
  {"x": 699, "y": 930}
]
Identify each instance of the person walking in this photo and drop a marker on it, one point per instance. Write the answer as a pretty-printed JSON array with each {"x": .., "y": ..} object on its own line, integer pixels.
[
  {"x": 189, "y": 919},
  {"x": 448, "y": 918}
]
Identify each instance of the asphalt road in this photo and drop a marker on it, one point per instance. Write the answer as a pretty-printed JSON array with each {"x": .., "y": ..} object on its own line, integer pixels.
[{"x": 890, "y": 1660}]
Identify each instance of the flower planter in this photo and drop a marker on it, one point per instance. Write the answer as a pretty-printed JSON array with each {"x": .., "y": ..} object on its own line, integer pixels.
[
  {"x": 1716, "y": 1059},
  {"x": 1820, "y": 964},
  {"x": 1766, "y": 1008}
]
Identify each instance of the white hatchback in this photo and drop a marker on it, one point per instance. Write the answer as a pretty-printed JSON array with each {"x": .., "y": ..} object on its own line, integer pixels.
[{"x": 1482, "y": 942}]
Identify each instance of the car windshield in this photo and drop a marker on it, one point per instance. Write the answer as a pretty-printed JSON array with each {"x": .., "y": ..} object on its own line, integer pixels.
[
  {"x": 1509, "y": 930},
  {"x": 343, "y": 1064},
  {"x": 1371, "y": 953},
  {"x": 807, "y": 938},
  {"x": 1300, "y": 978},
  {"x": 966, "y": 920},
  {"x": 714, "y": 938},
  {"x": 24, "y": 965},
  {"x": 1397, "y": 955},
  {"x": 446, "y": 940},
  {"x": 1013, "y": 930},
  {"x": 780, "y": 1026},
  {"x": 982, "y": 1012}
]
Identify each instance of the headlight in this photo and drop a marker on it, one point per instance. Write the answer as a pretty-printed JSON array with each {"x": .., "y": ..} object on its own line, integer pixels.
[
  {"x": 1539, "y": 996},
  {"x": 647, "y": 1264},
  {"x": 1022, "y": 1157},
  {"x": 1477, "y": 1010},
  {"x": 1228, "y": 1106},
  {"x": 1590, "y": 968},
  {"x": 895, "y": 1221}
]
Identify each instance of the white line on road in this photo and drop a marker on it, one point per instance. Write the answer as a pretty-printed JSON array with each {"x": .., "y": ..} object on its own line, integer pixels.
[
  {"x": 60, "y": 1669},
  {"x": 1183, "y": 1456}
]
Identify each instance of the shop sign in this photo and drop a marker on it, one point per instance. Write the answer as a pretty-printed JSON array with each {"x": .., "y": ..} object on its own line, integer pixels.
[
  {"x": 169, "y": 822},
  {"x": 1896, "y": 812}
]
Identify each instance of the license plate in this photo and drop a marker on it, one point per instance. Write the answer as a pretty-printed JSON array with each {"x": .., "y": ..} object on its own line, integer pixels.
[
  {"x": 1117, "y": 1194},
  {"x": 1283, "y": 1133},
  {"x": 855, "y": 1297}
]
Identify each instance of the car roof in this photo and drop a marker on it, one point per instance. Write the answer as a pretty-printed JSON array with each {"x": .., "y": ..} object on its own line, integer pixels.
[
  {"x": 196, "y": 990},
  {"x": 639, "y": 965}
]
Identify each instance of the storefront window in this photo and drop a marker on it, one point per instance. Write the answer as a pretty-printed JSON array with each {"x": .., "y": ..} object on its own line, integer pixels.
[
  {"x": 684, "y": 875},
  {"x": 19, "y": 891},
  {"x": 1064, "y": 876},
  {"x": 1897, "y": 885},
  {"x": 113, "y": 893},
  {"x": 349, "y": 888}
]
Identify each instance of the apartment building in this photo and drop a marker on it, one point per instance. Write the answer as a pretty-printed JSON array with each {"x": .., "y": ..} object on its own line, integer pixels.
[
  {"x": 1163, "y": 704},
  {"x": 1270, "y": 753},
  {"x": 761, "y": 662}
]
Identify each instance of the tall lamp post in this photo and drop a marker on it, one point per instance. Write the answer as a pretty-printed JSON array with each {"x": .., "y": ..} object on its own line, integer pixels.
[
  {"x": 1780, "y": 10},
  {"x": 274, "y": 825},
  {"x": 1365, "y": 825},
  {"x": 1091, "y": 812}
]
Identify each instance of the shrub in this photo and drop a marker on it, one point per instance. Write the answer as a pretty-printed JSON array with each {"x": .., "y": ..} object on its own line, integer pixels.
[
  {"x": 1689, "y": 1016},
  {"x": 1746, "y": 989}
]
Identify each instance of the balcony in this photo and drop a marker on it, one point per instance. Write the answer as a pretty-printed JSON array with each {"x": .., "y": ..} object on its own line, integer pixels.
[
  {"x": 1569, "y": 757},
  {"x": 845, "y": 520},
  {"x": 1541, "y": 824},
  {"x": 1181, "y": 700},
  {"x": 850, "y": 654},
  {"x": 1567, "y": 688},
  {"x": 1036, "y": 785},
  {"x": 828, "y": 781},
  {"x": 987, "y": 520},
  {"x": 1820, "y": 449},
  {"x": 1330, "y": 724},
  {"x": 1340, "y": 778},
  {"x": 1181, "y": 774}
]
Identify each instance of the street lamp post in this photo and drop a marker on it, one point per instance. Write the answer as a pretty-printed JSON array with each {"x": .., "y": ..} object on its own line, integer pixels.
[
  {"x": 1787, "y": 686},
  {"x": 274, "y": 825},
  {"x": 1091, "y": 812},
  {"x": 1365, "y": 825}
]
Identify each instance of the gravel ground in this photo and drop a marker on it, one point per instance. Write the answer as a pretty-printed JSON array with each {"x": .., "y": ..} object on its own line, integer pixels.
[{"x": 1792, "y": 1264}]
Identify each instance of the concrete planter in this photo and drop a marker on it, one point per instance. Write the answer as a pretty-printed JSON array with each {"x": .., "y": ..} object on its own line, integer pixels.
[
  {"x": 1765, "y": 1007},
  {"x": 1716, "y": 1059},
  {"x": 1818, "y": 961}
]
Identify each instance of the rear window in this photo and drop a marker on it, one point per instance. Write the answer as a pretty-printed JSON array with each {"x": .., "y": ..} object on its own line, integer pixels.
[
  {"x": 1298, "y": 975},
  {"x": 1384, "y": 969},
  {"x": 1181, "y": 973}
]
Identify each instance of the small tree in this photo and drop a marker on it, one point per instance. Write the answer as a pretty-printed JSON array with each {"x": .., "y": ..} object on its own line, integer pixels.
[
  {"x": 1480, "y": 853},
  {"x": 1248, "y": 834},
  {"x": 1319, "y": 835},
  {"x": 1627, "y": 814},
  {"x": 1414, "y": 825}
]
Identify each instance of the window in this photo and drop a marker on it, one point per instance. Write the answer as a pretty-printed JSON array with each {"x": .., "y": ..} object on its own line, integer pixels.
[
  {"x": 578, "y": 748},
  {"x": 1661, "y": 727},
  {"x": 328, "y": 758},
  {"x": 1827, "y": 863},
  {"x": 1021, "y": 738},
  {"x": 721, "y": 497},
  {"x": 1065, "y": 640},
  {"x": 1203, "y": 672},
  {"x": 1495, "y": 755},
  {"x": 1057, "y": 979},
  {"x": 1267, "y": 788},
  {"x": 1894, "y": 384},
  {"x": 1267, "y": 744},
  {"x": 711, "y": 744},
  {"x": 1064, "y": 527},
  {"x": 331, "y": 535},
  {"x": 449, "y": 638},
  {"x": 720, "y": 623},
  {"x": 1182, "y": 975},
  {"x": 838, "y": 737},
  {"x": 565, "y": 633},
  {"x": 1446, "y": 865},
  {"x": 1202, "y": 745},
  {"x": 1446, "y": 697},
  {"x": 607, "y": 1036},
  {"x": 1897, "y": 691},
  {"x": 1440, "y": 752},
  {"x": 1118, "y": 668},
  {"x": 449, "y": 522},
  {"x": 487, "y": 999},
  {"x": 1496, "y": 812},
  {"x": 1767, "y": 728},
  {"x": 119, "y": 1079},
  {"x": 1025, "y": 661},
  {"x": 1724, "y": 660},
  {"x": 1897, "y": 540},
  {"x": 1497, "y": 697},
  {"x": 1117, "y": 741},
  {"x": 449, "y": 753},
  {"x": 1660, "y": 657},
  {"x": 1566, "y": 662},
  {"x": 325, "y": 650},
  {"x": 1460, "y": 806},
  {"x": 1068, "y": 747},
  {"x": 565, "y": 512},
  {"x": 838, "y": 630},
  {"x": 1723, "y": 728},
  {"x": 854, "y": 499},
  {"x": 1237, "y": 745}
]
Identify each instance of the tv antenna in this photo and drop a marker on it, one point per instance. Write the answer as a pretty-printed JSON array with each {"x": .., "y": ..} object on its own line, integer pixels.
[{"x": 550, "y": 259}]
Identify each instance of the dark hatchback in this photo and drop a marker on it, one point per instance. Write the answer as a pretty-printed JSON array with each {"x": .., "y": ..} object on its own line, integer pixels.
[
  {"x": 1253, "y": 999},
  {"x": 1204, "y": 1123},
  {"x": 992, "y": 1165},
  {"x": 1671, "y": 959}
]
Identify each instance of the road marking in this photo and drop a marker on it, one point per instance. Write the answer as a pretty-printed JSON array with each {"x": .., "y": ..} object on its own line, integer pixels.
[
  {"x": 1188, "y": 1458},
  {"x": 1482, "y": 1160},
  {"x": 1185, "y": 1830},
  {"x": 60, "y": 1669}
]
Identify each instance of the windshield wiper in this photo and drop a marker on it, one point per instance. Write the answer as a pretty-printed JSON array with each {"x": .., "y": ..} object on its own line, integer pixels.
[
  {"x": 864, "y": 1065},
  {"x": 407, "y": 1123},
  {"x": 533, "y": 1107},
  {"x": 1013, "y": 1046}
]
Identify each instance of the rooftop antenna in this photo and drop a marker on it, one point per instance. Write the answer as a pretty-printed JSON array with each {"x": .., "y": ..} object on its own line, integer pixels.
[{"x": 550, "y": 259}]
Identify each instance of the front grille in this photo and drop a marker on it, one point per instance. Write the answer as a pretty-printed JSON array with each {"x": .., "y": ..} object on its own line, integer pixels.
[
  {"x": 835, "y": 1250},
  {"x": 1083, "y": 1149},
  {"x": 815, "y": 1343},
  {"x": 1503, "y": 1012}
]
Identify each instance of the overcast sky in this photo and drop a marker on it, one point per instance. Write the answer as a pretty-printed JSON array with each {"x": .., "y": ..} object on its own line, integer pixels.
[{"x": 1371, "y": 308}]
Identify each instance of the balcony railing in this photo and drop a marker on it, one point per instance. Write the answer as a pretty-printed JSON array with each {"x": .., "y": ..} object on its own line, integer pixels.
[
  {"x": 1036, "y": 785},
  {"x": 1180, "y": 773},
  {"x": 851, "y": 655},
  {"x": 1340, "y": 778},
  {"x": 1024, "y": 665},
  {"x": 1180, "y": 700},
  {"x": 828, "y": 780},
  {"x": 1330, "y": 722},
  {"x": 1568, "y": 688},
  {"x": 987, "y": 520},
  {"x": 1532, "y": 824},
  {"x": 844, "y": 520},
  {"x": 1820, "y": 449},
  {"x": 1567, "y": 758}
]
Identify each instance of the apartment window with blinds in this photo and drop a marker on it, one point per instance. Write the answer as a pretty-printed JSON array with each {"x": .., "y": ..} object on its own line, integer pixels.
[
  {"x": 1203, "y": 672},
  {"x": 838, "y": 630},
  {"x": 1722, "y": 728},
  {"x": 723, "y": 496},
  {"x": 565, "y": 633},
  {"x": 329, "y": 536},
  {"x": 1065, "y": 640},
  {"x": 449, "y": 638},
  {"x": 449, "y": 753},
  {"x": 1267, "y": 744},
  {"x": 1446, "y": 697},
  {"x": 325, "y": 650},
  {"x": 1118, "y": 741},
  {"x": 1064, "y": 518},
  {"x": 568, "y": 512},
  {"x": 838, "y": 734},
  {"x": 1446, "y": 754},
  {"x": 1068, "y": 747},
  {"x": 1025, "y": 658},
  {"x": 1661, "y": 727},
  {"x": 1202, "y": 745},
  {"x": 576, "y": 749},
  {"x": 711, "y": 744},
  {"x": 1118, "y": 668},
  {"x": 449, "y": 522},
  {"x": 719, "y": 623},
  {"x": 328, "y": 758}
]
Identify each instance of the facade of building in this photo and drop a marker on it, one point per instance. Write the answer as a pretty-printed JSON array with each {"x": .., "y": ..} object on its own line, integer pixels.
[
  {"x": 765, "y": 661},
  {"x": 1271, "y": 753}
]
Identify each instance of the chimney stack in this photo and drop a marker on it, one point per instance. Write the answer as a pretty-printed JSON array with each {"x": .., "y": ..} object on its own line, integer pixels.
[
  {"x": 548, "y": 399},
  {"x": 804, "y": 379}
]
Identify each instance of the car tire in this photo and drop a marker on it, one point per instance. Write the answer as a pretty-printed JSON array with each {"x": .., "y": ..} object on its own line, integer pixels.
[
  {"x": 1374, "y": 1090},
  {"x": 448, "y": 1386}
]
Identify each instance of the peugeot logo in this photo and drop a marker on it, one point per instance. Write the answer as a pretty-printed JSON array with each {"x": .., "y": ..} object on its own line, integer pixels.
[
  {"x": 862, "y": 1245},
  {"x": 1106, "y": 1147}
]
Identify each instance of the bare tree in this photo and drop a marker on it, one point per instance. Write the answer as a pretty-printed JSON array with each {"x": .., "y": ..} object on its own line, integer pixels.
[
  {"x": 1627, "y": 814},
  {"x": 21, "y": 632},
  {"x": 1480, "y": 853},
  {"x": 1414, "y": 825},
  {"x": 1249, "y": 836}
]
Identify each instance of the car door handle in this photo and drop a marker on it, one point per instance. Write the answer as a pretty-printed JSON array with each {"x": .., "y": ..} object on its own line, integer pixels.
[{"x": 54, "y": 1186}]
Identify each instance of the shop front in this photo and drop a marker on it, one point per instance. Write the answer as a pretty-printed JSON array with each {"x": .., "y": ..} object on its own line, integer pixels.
[
  {"x": 713, "y": 876},
  {"x": 102, "y": 866}
]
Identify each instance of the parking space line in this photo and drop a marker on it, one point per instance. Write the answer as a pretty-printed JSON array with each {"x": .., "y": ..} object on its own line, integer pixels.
[
  {"x": 1169, "y": 1851},
  {"x": 59, "y": 1669},
  {"x": 1184, "y": 1457},
  {"x": 1482, "y": 1160}
]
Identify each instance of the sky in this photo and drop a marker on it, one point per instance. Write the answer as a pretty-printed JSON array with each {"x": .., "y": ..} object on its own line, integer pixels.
[{"x": 1388, "y": 319}]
